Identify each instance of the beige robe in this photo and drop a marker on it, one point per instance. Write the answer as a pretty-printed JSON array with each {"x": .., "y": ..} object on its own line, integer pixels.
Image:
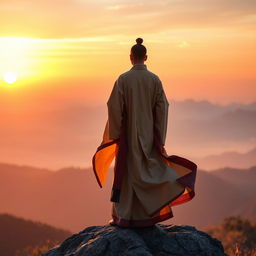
[{"x": 153, "y": 181}]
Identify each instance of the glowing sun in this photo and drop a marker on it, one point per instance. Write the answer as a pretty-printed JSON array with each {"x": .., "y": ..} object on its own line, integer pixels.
[{"x": 10, "y": 77}]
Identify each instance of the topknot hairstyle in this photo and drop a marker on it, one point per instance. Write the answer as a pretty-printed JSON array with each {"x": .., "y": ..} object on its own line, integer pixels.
[
  {"x": 138, "y": 50},
  {"x": 139, "y": 40}
]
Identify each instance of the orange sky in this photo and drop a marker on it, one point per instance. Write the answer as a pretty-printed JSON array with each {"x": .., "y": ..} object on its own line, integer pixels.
[{"x": 200, "y": 49}]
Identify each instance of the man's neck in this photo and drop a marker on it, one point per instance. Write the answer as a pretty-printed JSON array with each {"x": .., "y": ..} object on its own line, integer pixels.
[{"x": 137, "y": 63}]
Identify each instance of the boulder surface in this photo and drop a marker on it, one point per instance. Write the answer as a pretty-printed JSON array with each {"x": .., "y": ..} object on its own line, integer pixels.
[{"x": 159, "y": 240}]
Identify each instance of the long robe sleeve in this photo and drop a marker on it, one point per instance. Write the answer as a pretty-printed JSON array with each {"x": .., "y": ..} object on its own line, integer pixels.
[
  {"x": 117, "y": 131},
  {"x": 110, "y": 144},
  {"x": 161, "y": 112},
  {"x": 115, "y": 105}
]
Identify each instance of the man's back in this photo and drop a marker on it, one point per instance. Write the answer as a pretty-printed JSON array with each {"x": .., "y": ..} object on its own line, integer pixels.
[{"x": 145, "y": 104}]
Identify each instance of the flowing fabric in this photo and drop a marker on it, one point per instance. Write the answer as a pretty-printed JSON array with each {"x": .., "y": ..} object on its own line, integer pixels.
[{"x": 147, "y": 181}]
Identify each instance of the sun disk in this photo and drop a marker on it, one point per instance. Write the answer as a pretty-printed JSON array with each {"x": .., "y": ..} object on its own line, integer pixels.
[{"x": 10, "y": 77}]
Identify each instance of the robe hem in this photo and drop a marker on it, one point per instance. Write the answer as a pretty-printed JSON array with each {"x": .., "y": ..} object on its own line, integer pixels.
[
  {"x": 141, "y": 223},
  {"x": 165, "y": 204},
  {"x": 187, "y": 180}
]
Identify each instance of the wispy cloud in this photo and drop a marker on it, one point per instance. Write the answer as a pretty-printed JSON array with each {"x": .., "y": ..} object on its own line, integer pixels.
[{"x": 83, "y": 18}]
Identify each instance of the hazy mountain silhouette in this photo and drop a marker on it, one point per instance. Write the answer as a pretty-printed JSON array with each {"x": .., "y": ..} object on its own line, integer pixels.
[
  {"x": 237, "y": 125},
  {"x": 192, "y": 109},
  {"x": 231, "y": 159},
  {"x": 70, "y": 198},
  {"x": 67, "y": 134},
  {"x": 242, "y": 178},
  {"x": 18, "y": 233},
  {"x": 217, "y": 197},
  {"x": 67, "y": 198}
]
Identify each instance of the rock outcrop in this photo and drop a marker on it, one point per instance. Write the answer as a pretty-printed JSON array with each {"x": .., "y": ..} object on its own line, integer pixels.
[{"x": 160, "y": 240}]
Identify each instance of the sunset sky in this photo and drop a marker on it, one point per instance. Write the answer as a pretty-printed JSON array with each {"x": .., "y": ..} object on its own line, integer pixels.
[
  {"x": 59, "y": 60},
  {"x": 201, "y": 49}
]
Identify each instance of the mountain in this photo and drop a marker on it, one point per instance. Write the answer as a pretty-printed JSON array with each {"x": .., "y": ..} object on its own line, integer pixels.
[
  {"x": 231, "y": 159},
  {"x": 197, "y": 138},
  {"x": 192, "y": 109},
  {"x": 215, "y": 199},
  {"x": 232, "y": 126},
  {"x": 70, "y": 197},
  {"x": 68, "y": 134},
  {"x": 242, "y": 178},
  {"x": 53, "y": 197},
  {"x": 18, "y": 233}
]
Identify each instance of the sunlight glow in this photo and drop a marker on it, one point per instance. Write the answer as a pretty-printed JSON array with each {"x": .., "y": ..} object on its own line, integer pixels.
[
  {"x": 10, "y": 77},
  {"x": 16, "y": 57}
]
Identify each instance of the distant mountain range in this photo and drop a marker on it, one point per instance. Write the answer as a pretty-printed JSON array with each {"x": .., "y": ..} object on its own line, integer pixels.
[
  {"x": 19, "y": 233},
  {"x": 70, "y": 198},
  {"x": 218, "y": 194},
  {"x": 192, "y": 109},
  {"x": 68, "y": 135},
  {"x": 234, "y": 126},
  {"x": 228, "y": 159}
]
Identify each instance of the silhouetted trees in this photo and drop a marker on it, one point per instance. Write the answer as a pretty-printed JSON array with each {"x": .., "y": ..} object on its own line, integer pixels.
[
  {"x": 18, "y": 233},
  {"x": 237, "y": 234}
]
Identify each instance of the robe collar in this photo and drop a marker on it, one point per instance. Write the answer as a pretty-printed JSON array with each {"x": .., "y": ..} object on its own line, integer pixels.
[{"x": 139, "y": 66}]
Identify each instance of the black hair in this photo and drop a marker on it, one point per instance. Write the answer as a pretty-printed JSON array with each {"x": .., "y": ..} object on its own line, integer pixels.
[{"x": 138, "y": 50}]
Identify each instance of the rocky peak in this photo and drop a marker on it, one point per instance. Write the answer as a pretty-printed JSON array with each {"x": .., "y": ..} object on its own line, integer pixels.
[{"x": 160, "y": 240}]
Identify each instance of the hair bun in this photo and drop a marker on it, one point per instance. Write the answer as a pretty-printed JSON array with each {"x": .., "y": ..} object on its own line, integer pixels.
[{"x": 139, "y": 40}]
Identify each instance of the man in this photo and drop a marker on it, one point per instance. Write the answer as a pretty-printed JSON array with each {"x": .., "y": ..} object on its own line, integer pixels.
[{"x": 147, "y": 182}]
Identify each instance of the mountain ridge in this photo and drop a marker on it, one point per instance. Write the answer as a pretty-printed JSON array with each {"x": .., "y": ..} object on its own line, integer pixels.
[{"x": 64, "y": 198}]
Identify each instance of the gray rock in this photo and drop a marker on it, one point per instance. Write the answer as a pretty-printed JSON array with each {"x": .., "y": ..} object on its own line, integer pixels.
[{"x": 160, "y": 240}]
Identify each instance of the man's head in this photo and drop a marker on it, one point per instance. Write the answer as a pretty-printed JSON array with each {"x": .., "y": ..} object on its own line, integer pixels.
[{"x": 138, "y": 52}]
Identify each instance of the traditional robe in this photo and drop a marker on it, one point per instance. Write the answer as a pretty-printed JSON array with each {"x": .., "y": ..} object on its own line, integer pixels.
[{"x": 147, "y": 181}]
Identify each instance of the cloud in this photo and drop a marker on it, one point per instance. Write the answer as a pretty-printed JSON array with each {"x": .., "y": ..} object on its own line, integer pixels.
[{"x": 82, "y": 18}]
